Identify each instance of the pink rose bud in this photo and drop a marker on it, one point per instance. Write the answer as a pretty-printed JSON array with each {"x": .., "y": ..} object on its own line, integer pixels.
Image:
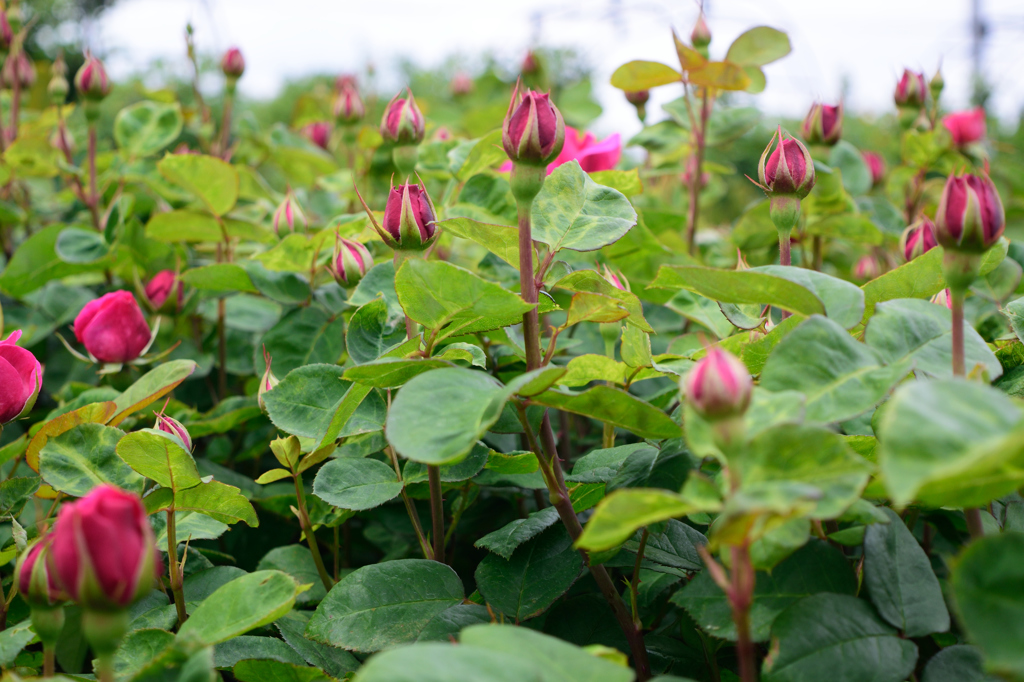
[
  {"x": 719, "y": 386},
  {"x": 175, "y": 428},
  {"x": 867, "y": 268},
  {"x": 351, "y": 261},
  {"x": 21, "y": 377},
  {"x": 876, "y": 164},
  {"x": 233, "y": 63},
  {"x": 970, "y": 217},
  {"x": 37, "y": 584},
  {"x": 788, "y": 170},
  {"x": 403, "y": 123},
  {"x": 288, "y": 215},
  {"x": 104, "y": 552},
  {"x": 823, "y": 124},
  {"x": 19, "y": 67},
  {"x": 530, "y": 65},
  {"x": 58, "y": 86},
  {"x": 268, "y": 382},
  {"x": 638, "y": 97},
  {"x": 159, "y": 289},
  {"x": 6, "y": 33},
  {"x": 943, "y": 298},
  {"x": 91, "y": 80},
  {"x": 533, "y": 132},
  {"x": 461, "y": 84},
  {"x": 408, "y": 219},
  {"x": 348, "y": 105},
  {"x": 966, "y": 127},
  {"x": 918, "y": 239},
  {"x": 912, "y": 90},
  {"x": 112, "y": 328},
  {"x": 617, "y": 280},
  {"x": 319, "y": 133},
  {"x": 701, "y": 35}
]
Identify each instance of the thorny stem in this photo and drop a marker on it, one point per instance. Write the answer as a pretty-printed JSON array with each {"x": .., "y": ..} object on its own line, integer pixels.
[
  {"x": 436, "y": 511},
  {"x": 173, "y": 569},
  {"x": 307, "y": 528}
]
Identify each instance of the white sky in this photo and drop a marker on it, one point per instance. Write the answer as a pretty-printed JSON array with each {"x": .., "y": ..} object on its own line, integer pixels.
[{"x": 865, "y": 43}]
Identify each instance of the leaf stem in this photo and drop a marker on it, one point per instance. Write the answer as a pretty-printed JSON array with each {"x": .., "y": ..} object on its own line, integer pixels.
[
  {"x": 436, "y": 511},
  {"x": 307, "y": 528},
  {"x": 173, "y": 569}
]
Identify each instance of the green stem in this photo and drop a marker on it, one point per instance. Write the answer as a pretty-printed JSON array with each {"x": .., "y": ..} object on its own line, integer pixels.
[
  {"x": 307, "y": 528},
  {"x": 436, "y": 511},
  {"x": 635, "y": 582},
  {"x": 958, "y": 331},
  {"x": 741, "y": 598},
  {"x": 49, "y": 660},
  {"x": 225, "y": 125},
  {"x": 528, "y": 286},
  {"x": 94, "y": 198},
  {"x": 105, "y": 668},
  {"x": 173, "y": 569},
  {"x": 414, "y": 517}
]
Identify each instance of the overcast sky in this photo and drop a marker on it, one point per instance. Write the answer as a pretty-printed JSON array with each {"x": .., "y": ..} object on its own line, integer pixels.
[{"x": 863, "y": 43}]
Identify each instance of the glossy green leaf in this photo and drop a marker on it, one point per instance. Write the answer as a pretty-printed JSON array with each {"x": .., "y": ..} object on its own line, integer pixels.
[
  {"x": 843, "y": 301},
  {"x": 245, "y": 603},
  {"x": 506, "y": 539},
  {"x": 266, "y": 670},
  {"x": 147, "y": 127},
  {"x": 372, "y": 331},
  {"x": 159, "y": 457},
  {"x": 613, "y": 406},
  {"x": 573, "y": 212},
  {"x": 211, "y": 180},
  {"x": 957, "y": 663},
  {"x": 84, "y": 457},
  {"x": 333, "y": 661},
  {"x": 303, "y": 337},
  {"x": 81, "y": 246},
  {"x": 501, "y": 240},
  {"x": 154, "y": 384},
  {"x": 314, "y": 402},
  {"x": 436, "y": 662},
  {"x": 217, "y": 500},
  {"x": 356, "y": 484},
  {"x": 740, "y": 286},
  {"x": 138, "y": 648},
  {"x": 623, "y": 512},
  {"x": 382, "y": 605},
  {"x": 256, "y": 650}
]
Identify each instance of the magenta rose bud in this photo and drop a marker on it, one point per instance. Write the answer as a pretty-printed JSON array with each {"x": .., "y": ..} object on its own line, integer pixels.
[
  {"x": 21, "y": 377},
  {"x": 700, "y": 37},
  {"x": 461, "y": 84},
  {"x": 104, "y": 553},
  {"x": 918, "y": 239},
  {"x": 175, "y": 428},
  {"x": 911, "y": 90},
  {"x": 867, "y": 268},
  {"x": 970, "y": 217},
  {"x": 351, "y": 262},
  {"x": 719, "y": 386},
  {"x": 876, "y": 164},
  {"x": 788, "y": 170},
  {"x": 37, "y": 584},
  {"x": 408, "y": 219},
  {"x": 233, "y": 63},
  {"x": 159, "y": 289},
  {"x": 112, "y": 328},
  {"x": 966, "y": 127},
  {"x": 6, "y": 33},
  {"x": 533, "y": 132},
  {"x": 823, "y": 124},
  {"x": 348, "y": 105},
  {"x": 288, "y": 215},
  {"x": 403, "y": 124},
  {"x": 319, "y": 133},
  {"x": 91, "y": 80}
]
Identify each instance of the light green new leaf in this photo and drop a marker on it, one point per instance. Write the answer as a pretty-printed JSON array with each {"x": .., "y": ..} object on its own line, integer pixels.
[
  {"x": 614, "y": 406},
  {"x": 590, "y": 281},
  {"x": 211, "y": 180},
  {"x": 220, "y": 501},
  {"x": 643, "y": 75},
  {"x": 501, "y": 240},
  {"x": 625, "y": 511},
  {"x": 573, "y": 212},
  {"x": 160, "y": 457},
  {"x": 246, "y": 603},
  {"x": 759, "y": 46},
  {"x": 154, "y": 384}
]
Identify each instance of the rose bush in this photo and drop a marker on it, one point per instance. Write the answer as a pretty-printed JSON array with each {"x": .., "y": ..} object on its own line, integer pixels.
[{"x": 459, "y": 384}]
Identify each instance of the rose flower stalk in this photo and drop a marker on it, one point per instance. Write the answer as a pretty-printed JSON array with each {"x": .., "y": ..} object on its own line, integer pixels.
[
  {"x": 38, "y": 586},
  {"x": 786, "y": 175}
]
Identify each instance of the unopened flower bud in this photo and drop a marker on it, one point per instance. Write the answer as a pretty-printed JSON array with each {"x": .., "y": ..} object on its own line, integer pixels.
[
  {"x": 700, "y": 38},
  {"x": 533, "y": 132},
  {"x": 936, "y": 84},
  {"x": 175, "y": 428},
  {"x": 911, "y": 90},
  {"x": 19, "y": 68},
  {"x": 112, "y": 328},
  {"x": 21, "y": 377},
  {"x": 348, "y": 105},
  {"x": 288, "y": 215},
  {"x": 267, "y": 382},
  {"x": 159, "y": 289},
  {"x": 918, "y": 239},
  {"x": 233, "y": 64},
  {"x": 352, "y": 260},
  {"x": 970, "y": 217},
  {"x": 530, "y": 65},
  {"x": 319, "y": 133},
  {"x": 6, "y": 32},
  {"x": 408, "y": 219},
  {"x": 867, "y": 268},
  {"x": 639, "y": 98},
  {"x": 719, "y": 386},
  {"x": 37, "y": 584},
  {"x": 403, "y": 123},
  {"x": 91, "y": 80},
  {"x": 789, "y": 169},
  {"x": 823, "y": 124},
  {"x": 617, "y": 280},
  {"x": 875, "y": 164},
  {"x": 461, "y": 84}
]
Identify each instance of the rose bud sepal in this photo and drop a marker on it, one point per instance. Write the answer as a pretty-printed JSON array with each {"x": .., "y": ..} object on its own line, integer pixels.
[{"x": 37, "y": 586}]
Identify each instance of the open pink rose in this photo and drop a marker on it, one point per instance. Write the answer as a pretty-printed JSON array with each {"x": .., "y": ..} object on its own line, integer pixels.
[
  {"x": 21, "y": 377},
  {"x": 112, "y": 328},
  {"x": 965, "y": 126}
]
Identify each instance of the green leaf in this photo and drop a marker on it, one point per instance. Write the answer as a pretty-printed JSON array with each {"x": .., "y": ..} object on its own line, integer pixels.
[
  {"x": 246, "y": 603},
  {"x": 154, "y": 384},
  {"x": 296, "y": 561},
  {"x": 625, "y": 511},
  {"x": 436, "y": 662},
  {"x": 950, "y": 443},
  {"x": 724, "y": 75},
  {"x": 958, "y": 663},
  {"x": 249, "y": 648},
  {"x": 626, "y": 181},
  {"x": 573, "y": 212},
  {"x": 305, "y": 402},
  {"x": 854, "y": 228},
  {"x": 841, "y": 377},
  {"x": 391, "y": 372},
  {"x": 382, "y": 605},
  {"x": 212, "y": 181},
  {"x": 501, "y": 240},
  {"x": 740, "y": 286},
  {"x": 78, "y": 460},
  {"x": 35, "y": 262},
  {"x": 15, "y": 492},
  {"x": 13, "y": 640},
  {"x": 922, "y": 332},
  {"x": 675, "y": 547},
  {"x": 378, "y": 282},
  {"x": 188, "y": 524},
  {"x": 81, "y": 246},
  {"x": 559, "y": 660},
  {"x": 147, "y": 127},
  {"x": 446, "y": 625},
  {"x": 217, "y": 500},
  {"x": 855, "y": 172},
  {"x": 139, "y": 648},
  {"x": 839, "y": 638},
  {"x": 814, "y": 568},
  {"x": 759, "y": 46},
  {"x": 226, "y": 277},
  {"x": 266, "y": 670},
  {"x": 986, "y": 584},
  {"x": 333, "y": 661},
  {"x": 356, "y": 484},
  {"x": 539, "y": 572},
  {"x": 844, "y": 302},
  {"x": 899, "y": 577},
  {"x": 160, "y": 457},
  {"x": 439, "y": 416},
  {"x": 485, "y": 154},
  {"x": 613, "y": 406},
  {"x": 506, "y": 539},
  {"x": 473, "y": 464},
  {"x": 445, "y": 297},
  {"x": 305, "y": 336},
  {"x": 372, "y": 331},
  {"x": 589, "y": 281},
  {"x": 643, "y": 75}
]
